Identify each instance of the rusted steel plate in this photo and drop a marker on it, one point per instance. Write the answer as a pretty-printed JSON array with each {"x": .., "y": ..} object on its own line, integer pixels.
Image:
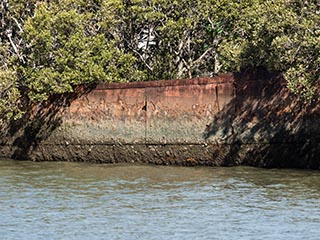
[
  {"x": 223, "y": 78},
  {"x": 165, "y": 112},
  {"x": 180, "y": 114},
  {"x": 106, "y": 117}
]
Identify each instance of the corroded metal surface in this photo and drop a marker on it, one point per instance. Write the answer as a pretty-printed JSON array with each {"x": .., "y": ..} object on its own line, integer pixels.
[
  {"x": 162, "y": 112},
  {"x": 158, "y": 122},
  {"x": 179, "y": 114},
  {"x": 220, "y": 79},
  {"x": 232, "y": 119},
  {"x": 107, "y": 116}
]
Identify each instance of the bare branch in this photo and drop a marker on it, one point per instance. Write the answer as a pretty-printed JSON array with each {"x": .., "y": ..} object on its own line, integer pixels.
[
  {"x": 211, "y": 23},
  {"x": 203, "y": 55},
  {"x": 143, "y": 60},
  {"x": 16, "y": 21},
  {"x": 9, "y": 35}
]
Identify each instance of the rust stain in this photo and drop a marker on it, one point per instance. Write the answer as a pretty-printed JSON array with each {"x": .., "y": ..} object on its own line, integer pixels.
[
  {"x": 221, "y": 79},
  {"x": 166, "y": 111}
]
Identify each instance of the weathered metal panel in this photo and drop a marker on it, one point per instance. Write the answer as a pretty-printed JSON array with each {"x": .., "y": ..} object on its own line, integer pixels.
[
  {"x": 233, "y": 119},
  {"x": 165, "y": 112},
  {"x": 170, "y": 112},
  {"x": 106, "y": 117},
  {"x": 180, "y": 114},
  {"x": 161, "y": 122}
]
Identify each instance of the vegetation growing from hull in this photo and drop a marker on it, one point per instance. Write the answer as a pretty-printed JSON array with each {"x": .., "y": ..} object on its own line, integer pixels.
[{"x": 50, "y": 47}]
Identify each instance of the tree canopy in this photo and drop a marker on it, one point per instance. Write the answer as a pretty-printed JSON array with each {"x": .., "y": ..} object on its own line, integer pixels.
[{"x": 49, "y": 47}]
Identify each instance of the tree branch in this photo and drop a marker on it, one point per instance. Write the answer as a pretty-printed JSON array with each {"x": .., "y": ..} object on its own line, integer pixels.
[
  {"x": 9, "y": 34},
  {"x": 203, "y": 55},
  {"x": 143, "y": 60},
  {"x": 16, "y": 21}
]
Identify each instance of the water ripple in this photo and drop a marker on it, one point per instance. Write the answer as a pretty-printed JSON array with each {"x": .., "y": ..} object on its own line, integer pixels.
[{"x": 83, "y": 201}]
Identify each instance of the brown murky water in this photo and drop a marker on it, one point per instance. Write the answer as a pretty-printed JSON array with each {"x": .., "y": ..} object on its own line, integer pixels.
[{"x": 86, "y": 201}]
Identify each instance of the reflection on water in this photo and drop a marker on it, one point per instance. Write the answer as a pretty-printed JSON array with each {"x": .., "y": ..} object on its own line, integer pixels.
[{"x": 83, "y": 201}]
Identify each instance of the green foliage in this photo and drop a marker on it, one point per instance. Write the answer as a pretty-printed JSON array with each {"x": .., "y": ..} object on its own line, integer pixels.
[
  {"x": 170, "y": 39},
  {"x": 49, "y": 47},
  {"x": 64, "y": 51},
  {"x": 9, "y": 98},
  {"x": 281, "y": 36}
]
